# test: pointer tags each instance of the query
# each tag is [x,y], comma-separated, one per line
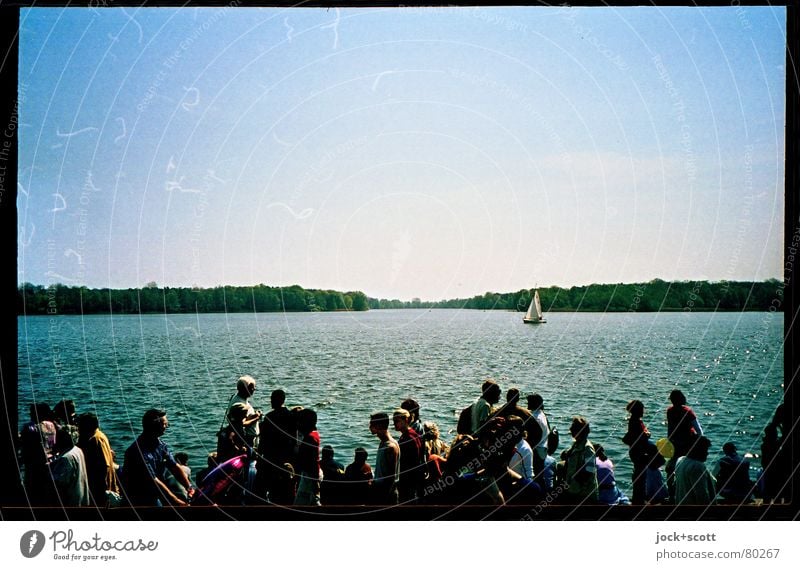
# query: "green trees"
[61,299]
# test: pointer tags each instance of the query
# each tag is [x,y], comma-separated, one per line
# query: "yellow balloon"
[665,448]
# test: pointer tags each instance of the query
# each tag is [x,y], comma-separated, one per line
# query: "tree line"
[62,299]
[655,295]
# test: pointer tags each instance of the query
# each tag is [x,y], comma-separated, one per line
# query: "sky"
[432,153]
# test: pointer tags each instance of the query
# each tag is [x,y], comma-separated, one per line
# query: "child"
[358,476]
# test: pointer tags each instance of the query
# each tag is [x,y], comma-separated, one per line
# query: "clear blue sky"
[432,153]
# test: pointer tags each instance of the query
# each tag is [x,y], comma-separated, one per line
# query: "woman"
[638,438]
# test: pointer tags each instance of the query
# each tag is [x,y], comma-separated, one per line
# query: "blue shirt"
[146,459]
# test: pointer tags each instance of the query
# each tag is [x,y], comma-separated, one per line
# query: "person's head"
[306,420]
[41,413]
[237,413]
[636,409]
[535,402]
[515,427]
[154,422]
[490,391]
[327,453]
[63,442]
[699,451]
[412,407]
[87,425]
[600,452]
[246,386]
[379,423]
[729,448]
[512,396]
[360,455]
[677,398]
[277,398]
[182,458]
[64,412]
[401,418]
[579,429]
[430,431]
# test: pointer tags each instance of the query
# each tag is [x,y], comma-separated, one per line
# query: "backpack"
[464,425]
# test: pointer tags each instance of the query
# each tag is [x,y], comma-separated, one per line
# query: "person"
[694,484]
[518,484]
[732,473]
[146,462]
[411,457]
[432,439]
[308,461]
[37,440]
[637,438]
[232,441]
[683,428]
[538,432]
[182,459]
[99,460]
[276,447]
[412,407]
[608,492]
[776,460]
[245,388]
[546,478]
[512,407]
[483,408]
[358,476]
[66,419]
[387,461]
[332,476]
[68,469]
[211,464]
[580,468]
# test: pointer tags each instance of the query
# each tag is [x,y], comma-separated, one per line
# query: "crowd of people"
[502,454]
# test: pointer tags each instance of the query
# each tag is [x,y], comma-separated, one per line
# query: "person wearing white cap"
[245,388]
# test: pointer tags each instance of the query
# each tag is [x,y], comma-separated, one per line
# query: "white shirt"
[522,460]
[541,419]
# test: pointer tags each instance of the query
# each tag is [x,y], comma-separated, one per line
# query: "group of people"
[502,454]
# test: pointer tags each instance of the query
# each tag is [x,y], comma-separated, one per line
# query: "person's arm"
[696,425]
[168,494]
[180,477]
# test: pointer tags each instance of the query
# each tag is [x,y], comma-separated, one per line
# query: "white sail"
[534,314]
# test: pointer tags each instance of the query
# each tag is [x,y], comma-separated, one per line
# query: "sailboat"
[534,314]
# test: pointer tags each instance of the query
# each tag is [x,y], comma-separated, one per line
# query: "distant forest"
[60,299]
[657,295]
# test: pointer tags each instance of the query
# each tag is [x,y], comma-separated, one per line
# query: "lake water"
[348,365]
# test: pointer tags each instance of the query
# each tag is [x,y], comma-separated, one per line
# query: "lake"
[349,365]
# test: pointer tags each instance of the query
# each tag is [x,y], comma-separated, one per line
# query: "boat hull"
[533,321]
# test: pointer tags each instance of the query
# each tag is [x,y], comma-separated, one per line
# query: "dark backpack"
[464,425]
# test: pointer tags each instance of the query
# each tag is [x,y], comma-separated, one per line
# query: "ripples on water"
[348,365]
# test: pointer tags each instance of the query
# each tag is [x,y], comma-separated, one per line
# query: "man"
[245,388]
[146,462]
[411,457]
[580,469]
[733,476]
[387,461]
[484,406]
[277,440]
[99,459]
[538,429]
[694,484]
